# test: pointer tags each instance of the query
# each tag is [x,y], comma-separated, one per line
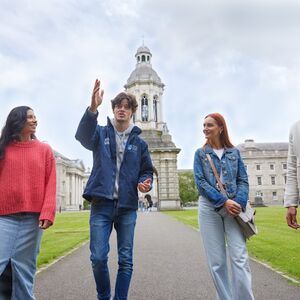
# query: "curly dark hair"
[130,98]
[15,122]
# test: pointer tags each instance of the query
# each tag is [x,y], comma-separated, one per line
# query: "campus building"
[266,165]
[70,183]
[148,88]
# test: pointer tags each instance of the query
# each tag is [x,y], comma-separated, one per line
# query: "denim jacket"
[235,178]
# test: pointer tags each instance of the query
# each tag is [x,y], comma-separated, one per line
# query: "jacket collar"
[135,129]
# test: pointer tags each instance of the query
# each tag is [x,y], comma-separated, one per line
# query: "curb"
[45,267]
[294,280]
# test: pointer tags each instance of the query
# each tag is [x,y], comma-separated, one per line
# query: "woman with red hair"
[220,232]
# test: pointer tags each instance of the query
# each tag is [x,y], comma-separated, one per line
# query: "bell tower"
[148,89]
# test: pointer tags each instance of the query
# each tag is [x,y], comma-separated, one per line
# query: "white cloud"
[239,58]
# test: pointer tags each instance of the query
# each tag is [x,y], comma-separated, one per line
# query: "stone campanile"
[148,88]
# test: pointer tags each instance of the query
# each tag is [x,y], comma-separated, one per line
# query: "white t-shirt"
[219,153]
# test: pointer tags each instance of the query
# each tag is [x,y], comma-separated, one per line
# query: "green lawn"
[70,230]
[276,244]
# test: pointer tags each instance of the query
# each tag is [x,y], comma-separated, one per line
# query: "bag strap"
[220,184]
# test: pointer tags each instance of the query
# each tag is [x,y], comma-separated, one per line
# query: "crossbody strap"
[220,184]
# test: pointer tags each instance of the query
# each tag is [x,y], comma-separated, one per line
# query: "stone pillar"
[73,190]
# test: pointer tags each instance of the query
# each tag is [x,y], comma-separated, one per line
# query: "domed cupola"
[143,71]
[143,55]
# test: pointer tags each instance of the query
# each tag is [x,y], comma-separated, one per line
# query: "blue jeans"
[222,236]
[6,283]
[105,215]
[20,239]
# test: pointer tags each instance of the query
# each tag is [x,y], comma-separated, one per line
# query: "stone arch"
[144,108]
[155,108]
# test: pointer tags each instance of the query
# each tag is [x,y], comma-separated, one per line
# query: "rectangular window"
[284,179]
[274,195]
[271,167]
[258,167]
[259,181]
[246,167]
[284,166]
[273,180]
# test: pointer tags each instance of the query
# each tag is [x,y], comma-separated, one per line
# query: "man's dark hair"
[129,97]
[148,197]
[15,122]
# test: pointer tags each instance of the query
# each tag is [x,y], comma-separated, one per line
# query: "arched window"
[138,59]
[155,108]
[144,108]
[143,58]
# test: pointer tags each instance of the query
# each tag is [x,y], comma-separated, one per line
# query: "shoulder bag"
[245,219]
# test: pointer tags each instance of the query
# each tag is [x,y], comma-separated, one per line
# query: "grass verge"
[70,230]
[276,244]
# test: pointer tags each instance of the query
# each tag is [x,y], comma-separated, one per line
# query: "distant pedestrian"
[141,205]
[145,204]
[292,189]
[149,202]
[216,211]
[122,164]
[27,200]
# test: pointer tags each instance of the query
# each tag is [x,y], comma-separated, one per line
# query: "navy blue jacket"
[136,165]
[234,175]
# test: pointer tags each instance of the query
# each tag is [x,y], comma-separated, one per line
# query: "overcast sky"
[239,58]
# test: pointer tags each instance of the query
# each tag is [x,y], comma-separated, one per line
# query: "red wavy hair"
[225,140]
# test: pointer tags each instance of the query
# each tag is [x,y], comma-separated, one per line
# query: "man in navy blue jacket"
[122,164]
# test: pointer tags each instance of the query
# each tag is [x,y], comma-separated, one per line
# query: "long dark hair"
[15,122]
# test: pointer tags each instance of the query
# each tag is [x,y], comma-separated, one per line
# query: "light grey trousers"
[221,238]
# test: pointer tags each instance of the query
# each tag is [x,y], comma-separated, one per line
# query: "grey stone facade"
[266,165]
[70,183]
[148,88]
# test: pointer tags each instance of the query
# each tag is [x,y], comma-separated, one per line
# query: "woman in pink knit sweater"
[27,200]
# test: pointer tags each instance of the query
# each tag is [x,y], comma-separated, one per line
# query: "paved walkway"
[169,264]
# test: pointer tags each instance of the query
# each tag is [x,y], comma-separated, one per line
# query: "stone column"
[73,190]
[159,109]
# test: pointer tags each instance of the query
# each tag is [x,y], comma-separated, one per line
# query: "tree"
[187,188]
[86,205]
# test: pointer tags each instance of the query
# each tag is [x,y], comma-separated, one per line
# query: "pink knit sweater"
[28,179]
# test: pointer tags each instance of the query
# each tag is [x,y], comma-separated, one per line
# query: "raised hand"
[145,186]
[97,96]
